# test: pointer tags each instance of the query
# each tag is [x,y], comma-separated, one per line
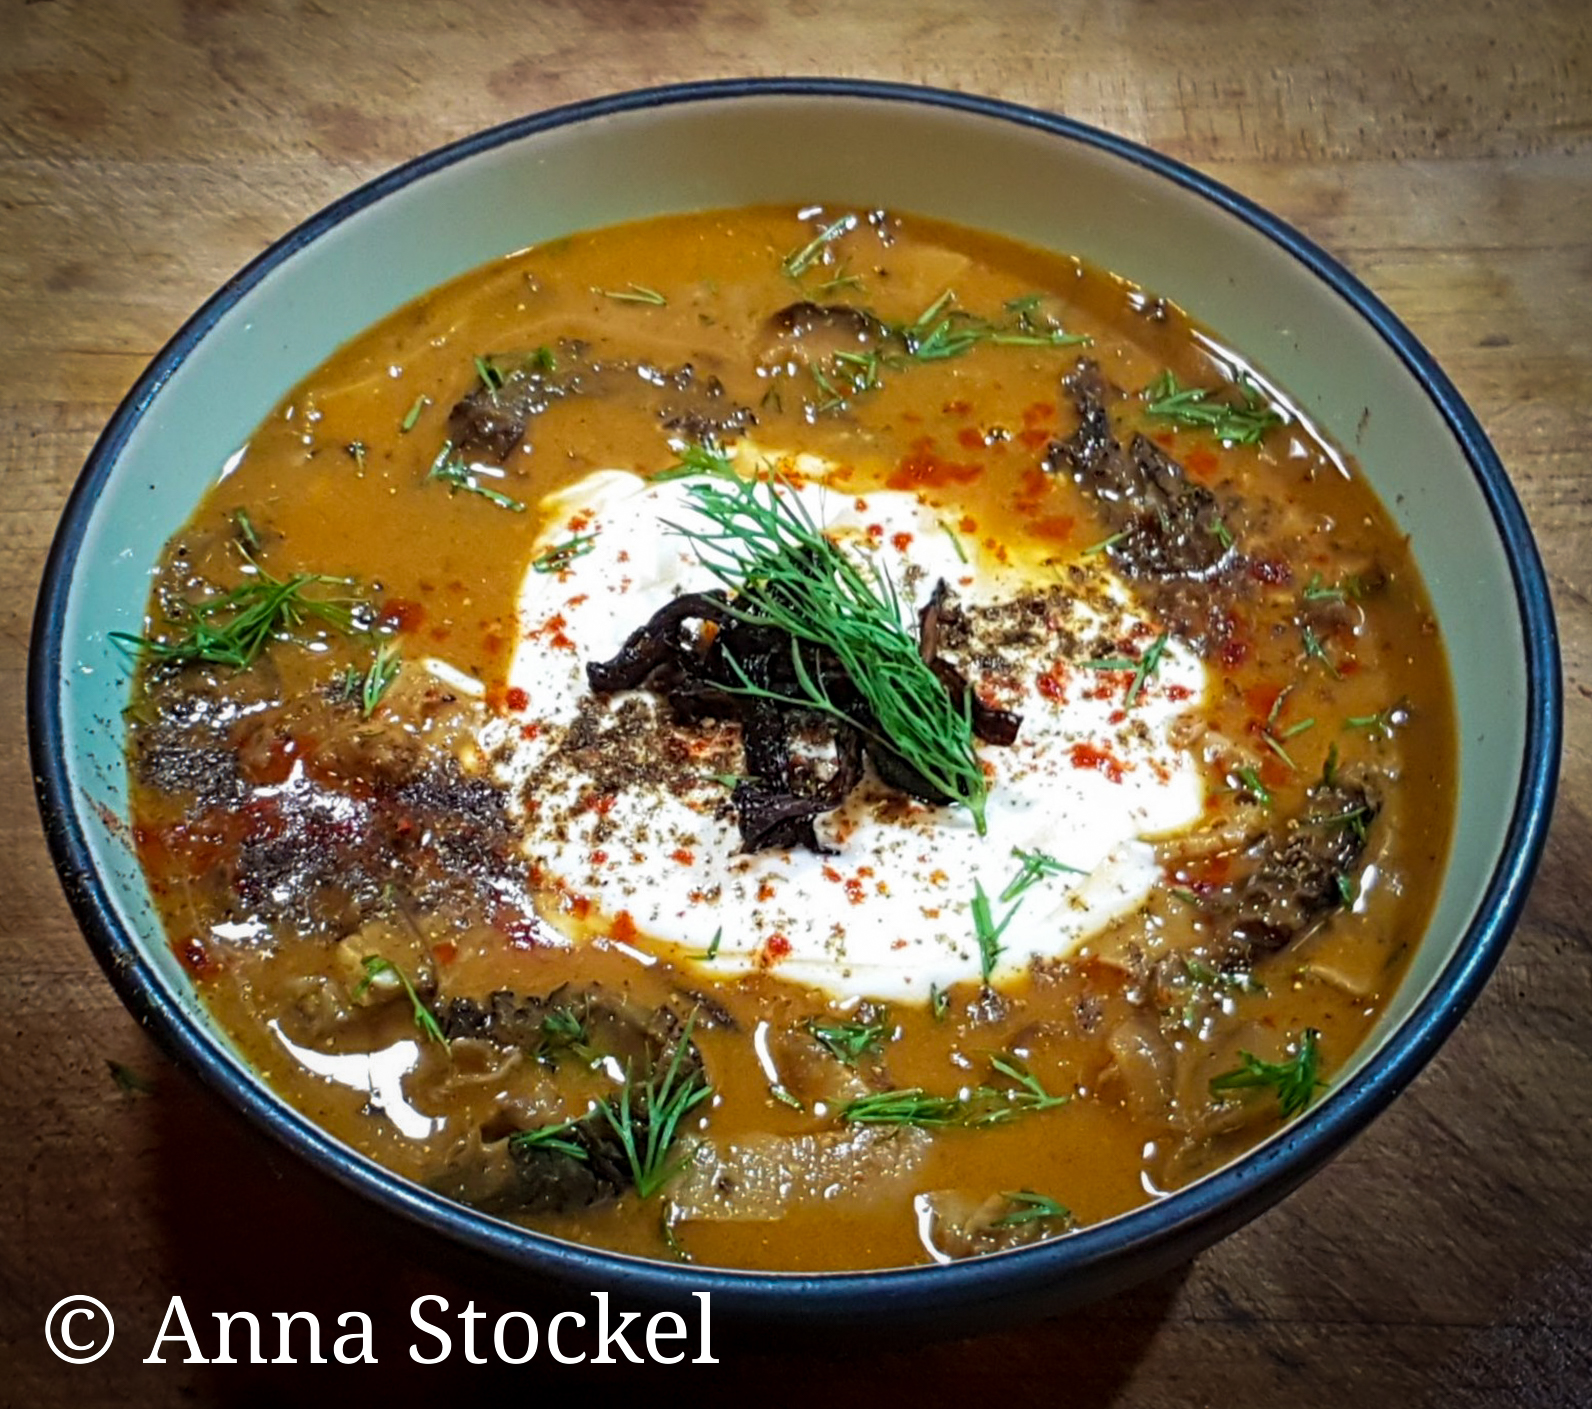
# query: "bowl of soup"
[857,698]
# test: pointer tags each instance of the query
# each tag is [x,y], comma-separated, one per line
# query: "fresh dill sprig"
[248,536]
[561,555]
[382,672]
[910,1105]
[451,470]
[1029,1207]
[764,545]
[943,331]
[425,1020]
[798,261]
[1294,1080]
[1143,668]
[491,378]
[987,932]
[1036,866]
[1030,1094]
[254,613]
[980,1108]
[1168,400]
[550,1137]
[848,1042]
[663,1104]
[635,293]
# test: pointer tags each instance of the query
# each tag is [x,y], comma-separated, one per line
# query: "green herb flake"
[559,557]
[1294,1080]
[1167,400]
[1250,778]
[987,932]
[425,1020]
[1035,867]
[413,414]
[382,672]
[798,261]
[450,470]
[551,1137]
[1149,663]
[635,293]
[848,1042]
[1029,1207]
[1314,650]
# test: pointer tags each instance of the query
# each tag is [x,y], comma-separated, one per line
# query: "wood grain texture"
[1444,153]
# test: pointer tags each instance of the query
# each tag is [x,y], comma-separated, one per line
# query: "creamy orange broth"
[1131,1029]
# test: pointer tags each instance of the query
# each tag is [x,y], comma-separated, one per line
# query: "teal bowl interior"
[1303,322]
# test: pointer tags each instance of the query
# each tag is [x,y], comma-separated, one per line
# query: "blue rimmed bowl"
[1287,305]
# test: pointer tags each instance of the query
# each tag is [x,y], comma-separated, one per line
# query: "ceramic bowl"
[1264,288]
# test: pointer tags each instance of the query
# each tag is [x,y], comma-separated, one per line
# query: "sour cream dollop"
[627,815]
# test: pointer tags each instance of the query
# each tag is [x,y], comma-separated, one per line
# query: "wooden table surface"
[1444,152]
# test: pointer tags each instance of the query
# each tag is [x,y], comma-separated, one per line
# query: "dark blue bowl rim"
[1093,1260]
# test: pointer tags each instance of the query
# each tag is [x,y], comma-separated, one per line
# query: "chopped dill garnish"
[491,378]
[671,1239]
[1314,650]
[246,531]
[382,672]
[413,414]
[845,279]
[848,1042]
[664,1105]
[697,460]
[943,331]
[979,1108]
[425,1020]
[1036,866]
[911,1105]
[1149,663]
[255,612]
[1298,728]
[561,555]
[956,541]
[1349,587]
[939,1002]
[1029,1207]
[785,572]
[1030,1094]
[1282,753]
[543,360]
[129,1080]
[798,261]
[782,1094]
[1102,545]
[1294,1080]
[453,472]
[1250,778]
[1224,535]
[987,932]
[713,944]
[1168,400]
[1384,721]
[550,1137]
[635,293]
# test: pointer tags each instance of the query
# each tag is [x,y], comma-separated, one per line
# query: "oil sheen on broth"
[792,739]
